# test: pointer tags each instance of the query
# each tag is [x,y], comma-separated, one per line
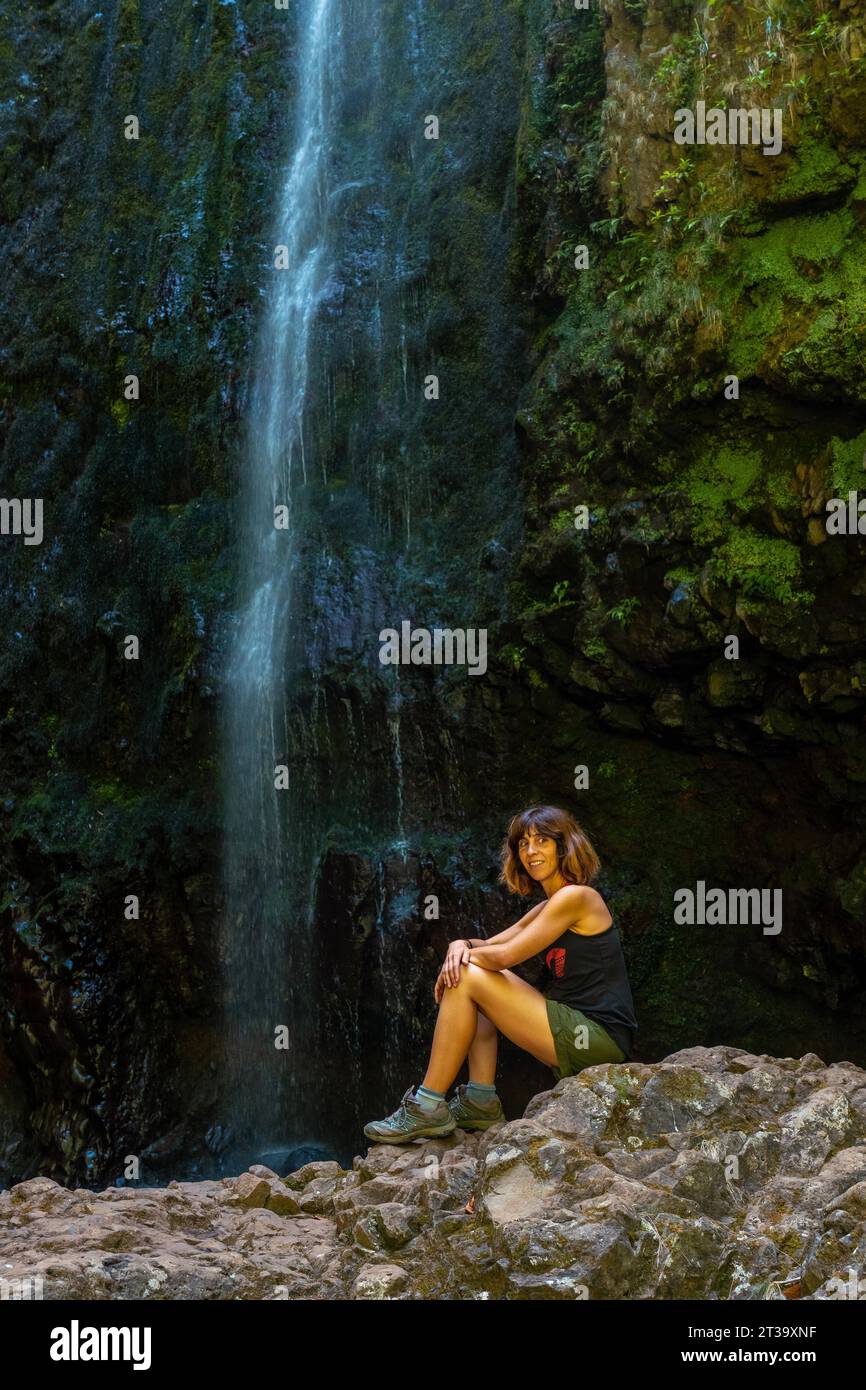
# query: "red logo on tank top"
[556,961]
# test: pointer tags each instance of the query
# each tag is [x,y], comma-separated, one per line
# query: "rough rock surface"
[714,1174]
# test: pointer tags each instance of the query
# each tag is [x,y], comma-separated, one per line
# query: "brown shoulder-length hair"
[578,861]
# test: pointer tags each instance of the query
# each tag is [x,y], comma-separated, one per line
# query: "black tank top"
[588,973]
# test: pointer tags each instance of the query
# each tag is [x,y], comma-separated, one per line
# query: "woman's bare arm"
[566,906]
[510,932]
[488,948]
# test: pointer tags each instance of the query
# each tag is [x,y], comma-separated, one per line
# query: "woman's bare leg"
[511,1005]
[482,1052]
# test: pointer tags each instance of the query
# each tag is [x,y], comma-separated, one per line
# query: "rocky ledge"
[713,1174]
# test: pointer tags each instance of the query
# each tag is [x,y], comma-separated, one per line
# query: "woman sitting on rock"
[584,1016]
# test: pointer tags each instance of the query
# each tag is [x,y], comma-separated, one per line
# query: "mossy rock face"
[706,495]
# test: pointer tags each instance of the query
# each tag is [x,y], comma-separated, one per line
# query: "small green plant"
[678,175]
[607,226]
[667,70]
[798,91]
[623,612]
[824,33]
[516,655]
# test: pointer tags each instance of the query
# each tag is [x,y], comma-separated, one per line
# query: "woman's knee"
[472,979]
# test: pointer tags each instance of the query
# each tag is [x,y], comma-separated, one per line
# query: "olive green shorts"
[598,1046]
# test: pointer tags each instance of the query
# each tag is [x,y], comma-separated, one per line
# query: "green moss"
[681,574]
[762,566]
[121,411]
[813,241]
[719,479]
[113,793]
[684,1085]
[846,469]
[858,193]
[790,1243]
[562,522]
[797,296]
[817,169]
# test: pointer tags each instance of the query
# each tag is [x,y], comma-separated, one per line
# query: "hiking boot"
[411,1121]
[469,1114]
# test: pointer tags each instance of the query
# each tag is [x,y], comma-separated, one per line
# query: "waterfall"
[265,854]
[396,250]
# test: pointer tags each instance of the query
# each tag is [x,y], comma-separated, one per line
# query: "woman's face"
[538,855]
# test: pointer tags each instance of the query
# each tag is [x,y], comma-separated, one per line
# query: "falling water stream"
[264,862]
[337,436]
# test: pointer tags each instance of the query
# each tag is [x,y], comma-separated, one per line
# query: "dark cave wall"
[121,257]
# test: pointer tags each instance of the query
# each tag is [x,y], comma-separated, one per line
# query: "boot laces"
[401,1119]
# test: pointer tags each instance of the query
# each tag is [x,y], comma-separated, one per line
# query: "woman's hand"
[449,975]
[457,955]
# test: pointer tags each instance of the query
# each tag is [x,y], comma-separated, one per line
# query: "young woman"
[585,1015]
